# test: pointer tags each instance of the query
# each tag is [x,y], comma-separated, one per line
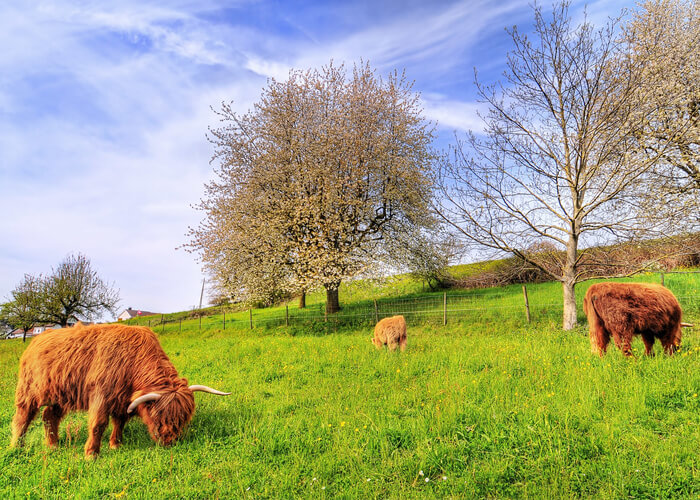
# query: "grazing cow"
[392,332]
[108,370]
[622,310]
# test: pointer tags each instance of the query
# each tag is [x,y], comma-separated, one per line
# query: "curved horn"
[151,396]
[204,388]
[687,325]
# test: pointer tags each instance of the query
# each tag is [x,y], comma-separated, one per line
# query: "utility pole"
[201,294]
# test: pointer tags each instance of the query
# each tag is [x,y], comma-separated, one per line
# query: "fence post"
[149,323]
[200,320]
[250,313]
[224,320]
[162,324]
[444,308]
[662,279]
[376,312]
[286,315]
[527,304]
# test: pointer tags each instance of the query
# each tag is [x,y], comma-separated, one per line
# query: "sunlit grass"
[489,407]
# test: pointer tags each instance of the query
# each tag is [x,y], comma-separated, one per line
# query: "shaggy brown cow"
[392,332]
[622,310]
[108,370]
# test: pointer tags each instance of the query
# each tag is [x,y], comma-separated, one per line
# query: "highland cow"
[108,370]
[623,310]
[390,332]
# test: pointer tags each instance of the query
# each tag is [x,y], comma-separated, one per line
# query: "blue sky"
[104,107]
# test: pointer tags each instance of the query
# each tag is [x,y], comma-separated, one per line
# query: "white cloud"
[452,115]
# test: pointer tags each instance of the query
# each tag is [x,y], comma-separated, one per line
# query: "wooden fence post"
[444,308]
[376,311]
[224,320]
[662,279]
[250,312]
[286,315]
[527,304]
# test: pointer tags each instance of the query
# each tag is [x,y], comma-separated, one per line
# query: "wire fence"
[514,303]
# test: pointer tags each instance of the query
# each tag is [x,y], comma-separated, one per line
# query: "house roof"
[137,312]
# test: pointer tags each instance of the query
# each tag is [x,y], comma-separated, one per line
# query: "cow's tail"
[596,331]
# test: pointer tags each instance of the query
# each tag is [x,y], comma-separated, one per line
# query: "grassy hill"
[486,406]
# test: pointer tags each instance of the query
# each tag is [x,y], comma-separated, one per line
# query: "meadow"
[494,408]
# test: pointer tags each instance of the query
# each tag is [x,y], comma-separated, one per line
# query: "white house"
[133,313]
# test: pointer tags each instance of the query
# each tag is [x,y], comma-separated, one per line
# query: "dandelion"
[342,424]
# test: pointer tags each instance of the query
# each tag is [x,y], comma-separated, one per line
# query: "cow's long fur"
[390,331]
[622,310]
[101,369]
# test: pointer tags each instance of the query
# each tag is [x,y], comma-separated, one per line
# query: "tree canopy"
[73,290]
[313,181]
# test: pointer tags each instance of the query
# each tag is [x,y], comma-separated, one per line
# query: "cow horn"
[204,388]
[687,325]
[151,396]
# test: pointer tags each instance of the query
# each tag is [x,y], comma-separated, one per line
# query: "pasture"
[494,408]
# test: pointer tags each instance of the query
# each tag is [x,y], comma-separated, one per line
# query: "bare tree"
[74,290]
[23,309]
[312,180]
[553,163]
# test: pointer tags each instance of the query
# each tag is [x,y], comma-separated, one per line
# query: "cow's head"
[167,413]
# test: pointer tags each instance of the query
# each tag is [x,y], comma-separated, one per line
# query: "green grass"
[500,408]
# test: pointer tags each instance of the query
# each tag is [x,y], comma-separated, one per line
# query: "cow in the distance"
[623,310]
[390,332]
[108,370]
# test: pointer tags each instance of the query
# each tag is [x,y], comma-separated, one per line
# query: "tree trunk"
[302,300]
[332,303]
[24,336]
[569,281]
[569,304]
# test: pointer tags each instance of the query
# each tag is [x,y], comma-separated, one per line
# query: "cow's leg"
[115,440]
[392,344]
[648,340]
[669,346]
[20,423]
[97,422]
[402,343]
[52,418]
[672,341]
[627,344]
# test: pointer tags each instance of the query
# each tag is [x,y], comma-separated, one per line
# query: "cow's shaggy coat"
[623,310]
[390,332]
[102,369]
